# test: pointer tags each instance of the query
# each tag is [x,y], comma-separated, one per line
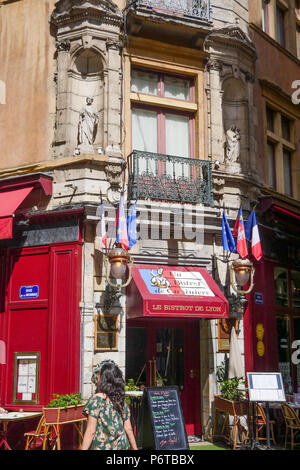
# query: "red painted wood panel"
[48,324]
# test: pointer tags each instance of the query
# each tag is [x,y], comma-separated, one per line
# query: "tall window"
[287,300]
[162,129]
[271,165]
[279,151]
[287,172]
[264,16]
[298,40]
[280,29]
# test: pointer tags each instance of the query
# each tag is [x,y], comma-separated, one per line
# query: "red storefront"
[272,319]
[40,293]
[164,305]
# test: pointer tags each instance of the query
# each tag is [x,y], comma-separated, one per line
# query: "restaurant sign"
[175,291]
[169,282]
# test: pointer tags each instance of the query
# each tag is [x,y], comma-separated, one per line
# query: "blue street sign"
[258,298]
[29,292]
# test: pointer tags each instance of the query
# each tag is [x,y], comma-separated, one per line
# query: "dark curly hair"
[113,385]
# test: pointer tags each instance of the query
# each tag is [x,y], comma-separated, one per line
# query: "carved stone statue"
[88,121]
[233,144]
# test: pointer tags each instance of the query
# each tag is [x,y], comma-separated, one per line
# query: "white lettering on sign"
[192,283]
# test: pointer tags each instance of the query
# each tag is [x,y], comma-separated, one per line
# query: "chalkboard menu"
[160,422]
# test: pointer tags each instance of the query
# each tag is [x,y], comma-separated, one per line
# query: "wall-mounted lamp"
[116,263]
[241,271]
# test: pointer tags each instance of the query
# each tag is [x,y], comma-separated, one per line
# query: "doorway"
[160,352]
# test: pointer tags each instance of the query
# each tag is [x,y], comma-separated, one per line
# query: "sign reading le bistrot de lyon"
[175,291]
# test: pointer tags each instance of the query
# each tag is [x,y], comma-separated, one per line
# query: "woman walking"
[108,424]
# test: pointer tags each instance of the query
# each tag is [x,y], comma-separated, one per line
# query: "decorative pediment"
[66,9]
[232,33]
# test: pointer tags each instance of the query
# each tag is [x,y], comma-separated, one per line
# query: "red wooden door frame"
[190,396]
[71,252]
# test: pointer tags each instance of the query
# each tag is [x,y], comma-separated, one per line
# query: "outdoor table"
[12,417]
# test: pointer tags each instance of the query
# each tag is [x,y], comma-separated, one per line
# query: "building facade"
[274,29]
[164,103]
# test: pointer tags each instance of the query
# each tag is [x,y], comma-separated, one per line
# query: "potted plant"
[231,398]
[64,409]
[230,403]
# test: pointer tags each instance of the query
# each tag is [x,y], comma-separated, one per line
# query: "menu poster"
[26,377]
[265,387]
[161,424]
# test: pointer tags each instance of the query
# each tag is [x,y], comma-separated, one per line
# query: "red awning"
[13,192]
[174,291]
[9,202]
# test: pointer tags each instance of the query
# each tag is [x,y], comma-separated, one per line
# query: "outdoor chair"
[292,424]
[261,425]
[35,438]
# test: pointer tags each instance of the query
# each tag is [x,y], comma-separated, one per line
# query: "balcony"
[195,9]
[169,178]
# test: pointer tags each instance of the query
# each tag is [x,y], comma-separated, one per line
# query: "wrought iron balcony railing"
[168,178]
[197,9]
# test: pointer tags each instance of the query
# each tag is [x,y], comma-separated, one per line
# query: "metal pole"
[268,424]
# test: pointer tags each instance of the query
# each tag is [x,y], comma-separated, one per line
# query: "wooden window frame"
[280,143]
[161,128]
[161,84]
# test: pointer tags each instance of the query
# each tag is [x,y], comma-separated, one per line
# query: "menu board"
[161,423]
[26,371]
[265,386]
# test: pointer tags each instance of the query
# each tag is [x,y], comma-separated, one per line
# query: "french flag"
[121,223]
[239,232]
[252,234]
[103,226]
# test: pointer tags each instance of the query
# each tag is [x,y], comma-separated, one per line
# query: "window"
[287,172]
[280,31]
[287,301]
[298,40]
[159,84]
[285,128]
[280,147]
[264,15]
[270,119]
[106,332]
[271,165]
[162,130]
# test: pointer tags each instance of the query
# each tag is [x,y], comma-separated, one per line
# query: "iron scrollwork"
[198,9]
[170,178]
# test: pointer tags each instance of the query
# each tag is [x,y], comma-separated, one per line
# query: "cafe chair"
[261,425]
[292,424]
[35,439]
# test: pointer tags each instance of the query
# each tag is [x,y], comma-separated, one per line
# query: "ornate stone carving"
[68,8]
[112,44]
[63,45]
[114,178]
[233,145]
[231,34]
[87,127]
[214,64]
[218,187]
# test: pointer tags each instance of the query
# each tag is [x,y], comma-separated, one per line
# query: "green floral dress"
[110,434]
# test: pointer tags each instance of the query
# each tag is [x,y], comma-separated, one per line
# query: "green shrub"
[131,386]
[230,389]
[62,401]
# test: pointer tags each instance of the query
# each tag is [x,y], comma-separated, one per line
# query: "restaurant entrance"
[167,352]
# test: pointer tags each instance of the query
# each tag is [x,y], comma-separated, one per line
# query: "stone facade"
[87,42]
